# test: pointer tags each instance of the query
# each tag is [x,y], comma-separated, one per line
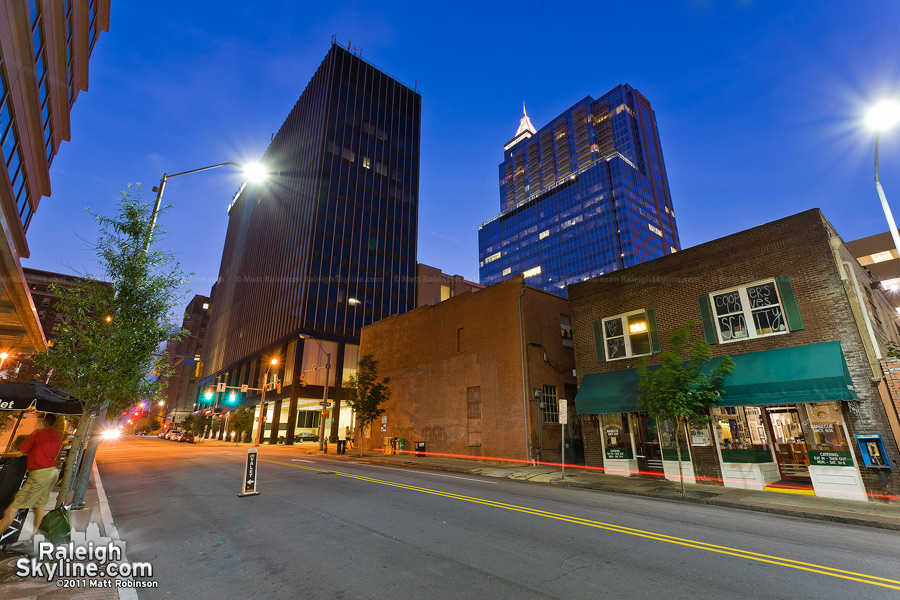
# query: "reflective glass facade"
[585,195]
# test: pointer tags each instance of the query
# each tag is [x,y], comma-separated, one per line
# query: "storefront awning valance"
[811,373]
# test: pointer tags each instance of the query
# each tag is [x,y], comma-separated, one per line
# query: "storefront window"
[823,429]
[742,434]
[667,440]
[616,436]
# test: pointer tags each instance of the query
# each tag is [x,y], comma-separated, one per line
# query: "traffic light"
[198,369]
[208,394]
[278,387]
[303,381]
[232,398]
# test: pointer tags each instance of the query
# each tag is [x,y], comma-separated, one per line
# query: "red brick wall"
[797,246]
[431,365]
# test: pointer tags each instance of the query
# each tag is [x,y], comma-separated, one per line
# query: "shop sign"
[618,453]
[830,458]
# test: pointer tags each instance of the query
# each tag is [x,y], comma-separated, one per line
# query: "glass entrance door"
[649,456]
[790,442]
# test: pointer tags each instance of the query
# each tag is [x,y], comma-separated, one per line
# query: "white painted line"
[109,527]
[435,474]
[302,460]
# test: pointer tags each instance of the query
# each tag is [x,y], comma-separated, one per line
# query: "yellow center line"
[775,560]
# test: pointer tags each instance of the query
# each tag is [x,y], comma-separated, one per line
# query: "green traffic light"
[232,398]
[208,395]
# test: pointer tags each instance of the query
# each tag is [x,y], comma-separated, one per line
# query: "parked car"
[173,435]
[307,437]
[162,434]
[186,437]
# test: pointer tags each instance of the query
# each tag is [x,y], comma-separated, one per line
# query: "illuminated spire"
[525,123]
[525,131]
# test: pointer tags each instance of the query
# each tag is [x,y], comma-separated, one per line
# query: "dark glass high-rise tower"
[584,195]
[324,247]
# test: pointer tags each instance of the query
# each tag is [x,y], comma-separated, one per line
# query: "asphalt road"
[335,528]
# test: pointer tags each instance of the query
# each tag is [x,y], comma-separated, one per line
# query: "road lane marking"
[303,460]
[774,560]
[435,474]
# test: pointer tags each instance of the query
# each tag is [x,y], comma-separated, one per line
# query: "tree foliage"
[241,422]
[682,387]
[370,393]
[107,344]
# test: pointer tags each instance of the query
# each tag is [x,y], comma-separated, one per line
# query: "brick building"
[433,285]
[807,403]
[457,376]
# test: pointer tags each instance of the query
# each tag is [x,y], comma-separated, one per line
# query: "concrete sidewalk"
[95,517]
[885,515]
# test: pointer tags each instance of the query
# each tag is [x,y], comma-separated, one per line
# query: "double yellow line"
[765,558]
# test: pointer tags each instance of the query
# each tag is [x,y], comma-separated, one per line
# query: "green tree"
[241,422]
[189,424]
[370,394]
[107,345]
[682,388]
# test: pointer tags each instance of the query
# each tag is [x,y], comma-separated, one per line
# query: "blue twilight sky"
[759,107]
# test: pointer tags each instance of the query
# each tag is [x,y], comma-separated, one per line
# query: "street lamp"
[3,357]
[303,336]
[262,403]
[882,117]
[255,172]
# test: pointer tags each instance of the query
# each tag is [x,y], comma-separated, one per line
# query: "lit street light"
[262,403]
[303,336]
[882,117]
[254,172]
[3,357]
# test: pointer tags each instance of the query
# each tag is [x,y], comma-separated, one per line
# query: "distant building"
[457,378]
[181,388]
[585,195]
[323,248]
[39,285]
[434,286]
[44,50]
[810,404]
[879,256]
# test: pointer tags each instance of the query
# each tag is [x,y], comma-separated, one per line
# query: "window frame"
[747,311]
[625,335]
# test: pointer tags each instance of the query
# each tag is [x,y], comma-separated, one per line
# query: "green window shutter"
[655,348]
[598,341]
[706,319]
[789,302]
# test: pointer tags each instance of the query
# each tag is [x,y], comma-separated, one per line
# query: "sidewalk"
[96,514]
[882,515]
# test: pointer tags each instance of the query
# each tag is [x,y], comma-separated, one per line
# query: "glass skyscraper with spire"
[584,195]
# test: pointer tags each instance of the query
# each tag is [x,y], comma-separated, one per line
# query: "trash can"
[574,451]
[420,448]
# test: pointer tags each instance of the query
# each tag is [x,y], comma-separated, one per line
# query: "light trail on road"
[736,552]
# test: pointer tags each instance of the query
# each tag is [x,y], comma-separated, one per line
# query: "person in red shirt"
[41,449]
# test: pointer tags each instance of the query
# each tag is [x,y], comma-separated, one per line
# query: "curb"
[109,527]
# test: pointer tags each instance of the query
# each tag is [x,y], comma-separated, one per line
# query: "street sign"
[325,404]
[563,411]
[384,419]
[220,387]
[250,475]
[244,388]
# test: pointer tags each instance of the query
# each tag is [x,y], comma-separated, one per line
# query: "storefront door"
[790,443]
[649,454]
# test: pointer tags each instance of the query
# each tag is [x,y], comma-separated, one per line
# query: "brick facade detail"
[823,273]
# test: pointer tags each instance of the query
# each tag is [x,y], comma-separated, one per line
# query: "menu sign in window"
[830,458]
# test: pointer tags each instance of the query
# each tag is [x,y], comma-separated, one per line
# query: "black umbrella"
[22,395]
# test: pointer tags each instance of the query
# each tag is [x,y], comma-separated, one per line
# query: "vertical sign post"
[383,429]
[249,485]
[563,419]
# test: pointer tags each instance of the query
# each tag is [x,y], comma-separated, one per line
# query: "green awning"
[812,373]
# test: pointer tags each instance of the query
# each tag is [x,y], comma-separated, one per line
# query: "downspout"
[857,307]
[524,378]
